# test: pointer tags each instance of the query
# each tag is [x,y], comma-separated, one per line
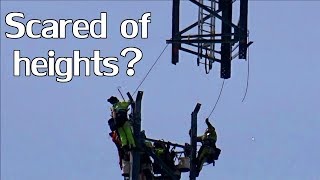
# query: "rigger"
[208,151]
[120,122]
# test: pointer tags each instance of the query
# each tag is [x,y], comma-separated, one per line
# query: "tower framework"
[140,138]
[209,39]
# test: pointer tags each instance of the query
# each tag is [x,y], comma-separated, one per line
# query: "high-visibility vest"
[121,106]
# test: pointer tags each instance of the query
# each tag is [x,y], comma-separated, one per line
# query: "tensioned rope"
[248,73]
[215,105]
[247,86]
[151,68]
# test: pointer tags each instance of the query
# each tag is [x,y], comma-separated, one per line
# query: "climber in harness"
[120,122]
[208,152]
[146,170]
[162,150]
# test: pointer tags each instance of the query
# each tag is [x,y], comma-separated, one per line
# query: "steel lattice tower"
[210,38]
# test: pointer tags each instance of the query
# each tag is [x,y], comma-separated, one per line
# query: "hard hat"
[113,100]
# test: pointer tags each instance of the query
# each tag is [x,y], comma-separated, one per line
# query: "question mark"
[132,62]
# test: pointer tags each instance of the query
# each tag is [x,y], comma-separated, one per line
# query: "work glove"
[207,120]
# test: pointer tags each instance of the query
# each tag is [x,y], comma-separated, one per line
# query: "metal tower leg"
[193,140]
[226,6]
[135,153]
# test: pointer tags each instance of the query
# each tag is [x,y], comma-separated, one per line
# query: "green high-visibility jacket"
[120,106]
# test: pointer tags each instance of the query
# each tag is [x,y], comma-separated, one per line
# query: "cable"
[217,99]
[151,68]
[247,86]
[248,74]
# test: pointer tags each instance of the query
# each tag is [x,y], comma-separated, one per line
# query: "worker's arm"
[209,124]
[168,147]
[199,138]
[113,113]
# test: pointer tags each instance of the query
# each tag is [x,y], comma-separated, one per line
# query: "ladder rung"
[208,6]
[206,31]
[208,24]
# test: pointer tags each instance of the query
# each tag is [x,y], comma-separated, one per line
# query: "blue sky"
[51,130]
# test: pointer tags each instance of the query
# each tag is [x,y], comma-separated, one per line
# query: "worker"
[162,150]
[208,152]
[119,115]
[146,163]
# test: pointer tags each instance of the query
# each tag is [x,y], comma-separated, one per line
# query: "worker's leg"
[202,161]
[202,158]
[123,137]
[112,124]
[129,134]
[199,153]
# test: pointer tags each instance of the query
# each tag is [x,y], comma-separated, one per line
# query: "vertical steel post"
[243,32]
[226,6]
[135,154]
[175,31]
[193,142]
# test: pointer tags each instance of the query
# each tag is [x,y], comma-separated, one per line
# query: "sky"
[52,130]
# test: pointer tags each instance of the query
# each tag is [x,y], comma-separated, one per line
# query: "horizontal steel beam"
[201,41]
[207,35]
[169,143]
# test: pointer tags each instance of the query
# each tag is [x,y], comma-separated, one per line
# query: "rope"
[217,99]
[248,74]
[151,68]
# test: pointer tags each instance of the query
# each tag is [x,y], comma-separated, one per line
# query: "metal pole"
[225,71]
[243,29]
[135,154]
[193,142]
[175,31]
